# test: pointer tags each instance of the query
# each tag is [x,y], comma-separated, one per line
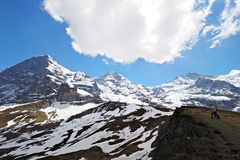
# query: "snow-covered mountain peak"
[79,75]
[54,66]
[182,81]
[234,73]
[113,76]
[192,75]
[115,87]
[41,77]
[44,56]
[37,64]
[185,81]
[195,76]
[232,77]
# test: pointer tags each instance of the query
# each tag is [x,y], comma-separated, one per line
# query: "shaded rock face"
[27,67]
[67,94]
[195,76]
[39,78]
[214,86]
[27,81]
[158,91]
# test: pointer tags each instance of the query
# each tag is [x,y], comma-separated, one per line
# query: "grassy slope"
[192,134]
[24,114]
[228,125]
[189,134]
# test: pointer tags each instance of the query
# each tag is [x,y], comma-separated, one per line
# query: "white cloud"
[229,23]
[125,30]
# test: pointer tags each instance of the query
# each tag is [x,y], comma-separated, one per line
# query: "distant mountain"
[40,78]
[30,80]
[117,88]
[232,77]
[43,78]
[203,90]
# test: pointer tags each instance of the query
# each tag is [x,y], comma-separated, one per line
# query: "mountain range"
[49,112]
[42,77]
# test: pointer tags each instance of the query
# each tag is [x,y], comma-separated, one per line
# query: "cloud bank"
[125,30]
[229,23]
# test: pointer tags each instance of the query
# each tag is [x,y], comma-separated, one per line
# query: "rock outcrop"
[65,93]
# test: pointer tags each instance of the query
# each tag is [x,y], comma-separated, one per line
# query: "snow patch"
[66,110]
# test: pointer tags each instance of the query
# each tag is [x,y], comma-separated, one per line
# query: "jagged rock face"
[26,81]
[158,91]
[232,77]
[218,93]
[25,68]
[117,88]
[201,90]
[215,87]
[40,78]
[196,76]
[65,93]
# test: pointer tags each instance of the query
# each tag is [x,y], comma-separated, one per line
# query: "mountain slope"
[192,134]
[24,81]
[115,87]
[114,130]
[42,77]
[203,90]
[232,77]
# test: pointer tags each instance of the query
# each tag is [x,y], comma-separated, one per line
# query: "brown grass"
[24,114]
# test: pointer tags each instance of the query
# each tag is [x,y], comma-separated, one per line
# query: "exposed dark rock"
[65,93]
[27,81]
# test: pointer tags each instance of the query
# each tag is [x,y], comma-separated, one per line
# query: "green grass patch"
[228,125]
[24,114]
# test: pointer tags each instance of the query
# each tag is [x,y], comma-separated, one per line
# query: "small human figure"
[214,113]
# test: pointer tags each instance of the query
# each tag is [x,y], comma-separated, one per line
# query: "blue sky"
[28,30]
